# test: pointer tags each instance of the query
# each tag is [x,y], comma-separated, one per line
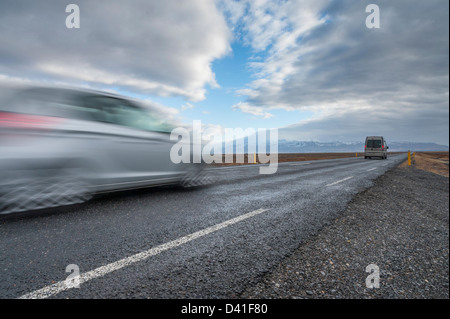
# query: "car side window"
[48,102]
[122,112]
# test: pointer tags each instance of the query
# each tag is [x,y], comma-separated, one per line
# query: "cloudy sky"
[309,67]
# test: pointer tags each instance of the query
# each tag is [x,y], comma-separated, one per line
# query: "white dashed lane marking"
[340,181]
[103,270]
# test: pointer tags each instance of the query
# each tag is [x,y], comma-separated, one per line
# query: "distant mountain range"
[285,146]
[337,147]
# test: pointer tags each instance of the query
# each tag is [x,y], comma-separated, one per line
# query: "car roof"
[71,91]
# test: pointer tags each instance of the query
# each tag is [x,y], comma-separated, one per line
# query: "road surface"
[173,243]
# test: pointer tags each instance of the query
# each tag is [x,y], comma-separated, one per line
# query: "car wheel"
[44,192]
[195,178]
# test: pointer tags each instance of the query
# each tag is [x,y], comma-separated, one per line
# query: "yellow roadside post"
[254,158]
[356,154]
[409,158]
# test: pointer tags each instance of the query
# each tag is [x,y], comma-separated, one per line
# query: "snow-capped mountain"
[337,147]
[285,146]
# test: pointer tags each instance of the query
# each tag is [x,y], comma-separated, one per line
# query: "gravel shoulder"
[401,225]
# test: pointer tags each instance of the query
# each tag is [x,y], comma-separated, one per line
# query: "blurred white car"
[61,146]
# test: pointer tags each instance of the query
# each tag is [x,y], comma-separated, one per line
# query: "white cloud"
[318,56]
[187,106]
[274,28]
[157,47]
[254,110]
[88,74]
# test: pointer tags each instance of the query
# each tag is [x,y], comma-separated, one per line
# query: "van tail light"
[26,121]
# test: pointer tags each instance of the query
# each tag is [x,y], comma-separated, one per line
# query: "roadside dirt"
[435,162]
[399,226]
[293,157]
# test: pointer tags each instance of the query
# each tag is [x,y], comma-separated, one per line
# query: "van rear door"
[374,144]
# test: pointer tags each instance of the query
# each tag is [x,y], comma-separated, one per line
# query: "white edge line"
[340,181]
[371,169]
[103,270]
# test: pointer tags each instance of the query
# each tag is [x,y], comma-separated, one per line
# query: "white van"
[375,146]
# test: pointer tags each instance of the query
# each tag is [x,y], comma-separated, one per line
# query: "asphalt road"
[173,243]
